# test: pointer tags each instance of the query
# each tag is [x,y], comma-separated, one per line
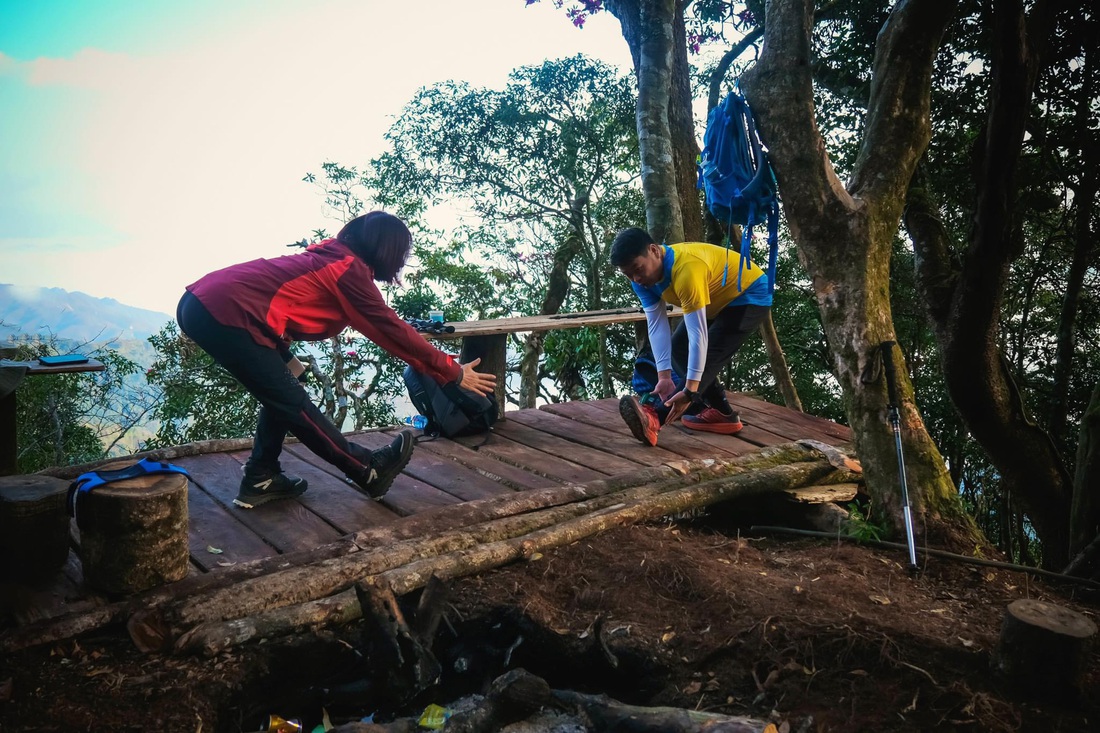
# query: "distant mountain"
[73,316]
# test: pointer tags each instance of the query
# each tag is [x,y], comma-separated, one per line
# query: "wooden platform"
[571,442]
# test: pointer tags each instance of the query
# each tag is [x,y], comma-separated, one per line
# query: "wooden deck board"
[830,431]
[286,525]
[211,525]
[486,465]
[579,453]
[532,459]
[615,443]
[531,449]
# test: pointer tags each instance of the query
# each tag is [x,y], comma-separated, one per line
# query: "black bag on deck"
[451,410]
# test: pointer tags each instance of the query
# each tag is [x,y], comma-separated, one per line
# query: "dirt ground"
[813,635]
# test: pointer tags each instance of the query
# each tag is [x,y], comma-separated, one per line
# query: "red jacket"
[312,296]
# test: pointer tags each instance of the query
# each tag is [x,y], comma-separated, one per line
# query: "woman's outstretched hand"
[479,382]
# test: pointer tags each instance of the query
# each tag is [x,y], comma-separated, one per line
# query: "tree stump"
[34,527]
[133,533]
[1043,649]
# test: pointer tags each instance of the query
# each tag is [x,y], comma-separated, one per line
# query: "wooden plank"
[525,324]
[788,429]
[407,495]
[286,525]
[579,453]
[453,478]
[489,466]
[212,525]
[828,427]
[34,366]
[616,443]
[532,459]
[330,497]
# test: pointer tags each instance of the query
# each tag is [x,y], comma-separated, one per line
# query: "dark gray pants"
[726,332]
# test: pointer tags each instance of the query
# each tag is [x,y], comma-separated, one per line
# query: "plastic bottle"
[417,421]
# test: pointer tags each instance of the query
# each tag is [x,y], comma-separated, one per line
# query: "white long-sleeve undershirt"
[660,339]
[660,336]
[696,323]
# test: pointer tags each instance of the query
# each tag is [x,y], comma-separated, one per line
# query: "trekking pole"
[887,349]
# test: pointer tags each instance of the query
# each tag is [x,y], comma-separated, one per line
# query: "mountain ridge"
[74,316]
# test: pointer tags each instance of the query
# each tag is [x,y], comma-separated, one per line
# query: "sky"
[144,143]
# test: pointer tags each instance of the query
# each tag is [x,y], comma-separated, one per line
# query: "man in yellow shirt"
[723,299]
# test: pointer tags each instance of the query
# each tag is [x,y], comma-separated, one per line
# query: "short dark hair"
[381,240]
[628,245]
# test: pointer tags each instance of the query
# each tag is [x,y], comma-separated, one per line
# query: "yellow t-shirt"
[693,273]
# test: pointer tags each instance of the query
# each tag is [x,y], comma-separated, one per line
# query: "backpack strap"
[85,482]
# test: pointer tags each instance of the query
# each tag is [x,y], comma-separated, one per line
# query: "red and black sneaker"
[711,420]
[642,420]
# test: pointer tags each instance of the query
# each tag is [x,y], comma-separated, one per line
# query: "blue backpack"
[738,180]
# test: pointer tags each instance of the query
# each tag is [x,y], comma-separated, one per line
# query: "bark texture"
[965,300]
[557,289]
[133,533]
[844,233]
[649,29]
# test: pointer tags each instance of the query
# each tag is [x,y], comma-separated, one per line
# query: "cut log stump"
[1043,649]
[133,533]
[34,527]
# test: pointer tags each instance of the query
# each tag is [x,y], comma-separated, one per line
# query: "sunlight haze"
[144,144]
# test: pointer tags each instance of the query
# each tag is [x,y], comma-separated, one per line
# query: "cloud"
[89,68]
[190,157]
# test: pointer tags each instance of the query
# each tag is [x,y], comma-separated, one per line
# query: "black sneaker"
[257,489]
[384,464]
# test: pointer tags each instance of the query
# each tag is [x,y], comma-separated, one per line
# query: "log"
[149,630]
[1043,649]
[34,527]
[133,533]
[309,582]
[512,697]
[142,608]
[213,637]
[605,713]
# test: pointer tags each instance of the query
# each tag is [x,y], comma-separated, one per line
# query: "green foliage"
[74,418]
[860,526]
[200,399]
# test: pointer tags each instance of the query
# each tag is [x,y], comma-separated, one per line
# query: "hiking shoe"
[384,464]
[257,489]
[711,420]
[641,419]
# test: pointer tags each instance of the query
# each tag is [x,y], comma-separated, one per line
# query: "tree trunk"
[681,122]
[1043,649]
[1085,514]
[557,288]
[1084,254]
[844,238]
[964,302]
[648,27]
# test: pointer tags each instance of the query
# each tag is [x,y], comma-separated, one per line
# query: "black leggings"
[725,334]
[284,404]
